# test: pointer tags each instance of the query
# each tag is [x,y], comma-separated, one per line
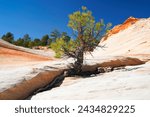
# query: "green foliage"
[19,42]
[26,40]
[55,35]
[61,42]
[44,40]
[9,37]
[49,41]
[86,29]
[59,46]
[31,44]
[65,37]
[82,18]
[37,42]
[88,32]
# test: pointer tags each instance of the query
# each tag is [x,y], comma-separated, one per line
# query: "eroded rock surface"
[27,87]
[129,83]
[127,46]
[130,21]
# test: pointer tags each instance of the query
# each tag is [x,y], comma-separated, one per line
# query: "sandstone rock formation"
[133,41]
[12,51]
[130,21]
[126,44]
[27,87]
[16,66]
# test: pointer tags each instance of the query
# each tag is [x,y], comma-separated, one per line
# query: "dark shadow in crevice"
[86,74]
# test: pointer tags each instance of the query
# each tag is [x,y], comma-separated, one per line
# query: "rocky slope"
[11,54]
[129,83]
[18,73]
[127,51]
[132,41]
[126,43]
[6,45]
[130,21]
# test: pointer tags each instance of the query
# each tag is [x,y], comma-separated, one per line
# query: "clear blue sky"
[39,17]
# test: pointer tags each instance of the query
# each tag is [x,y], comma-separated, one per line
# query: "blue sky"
[39,17]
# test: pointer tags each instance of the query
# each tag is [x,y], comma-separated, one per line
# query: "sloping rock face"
[133,41]
[16,66]
[129,83]
[27,87]
[10,49]
[15,55]
[8,55]
[126,45]
[112,62]
[130,21]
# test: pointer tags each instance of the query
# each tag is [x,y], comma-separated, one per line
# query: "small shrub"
[59,46]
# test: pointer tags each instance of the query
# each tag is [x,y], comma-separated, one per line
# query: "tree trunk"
[79,60]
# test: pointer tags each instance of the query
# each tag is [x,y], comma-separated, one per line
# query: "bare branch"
[69,53]
[102,46]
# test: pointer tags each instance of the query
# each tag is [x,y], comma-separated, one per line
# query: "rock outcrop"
[127,46]
[28,87]
[112,63]
[132,41]
[130,21]
[10,49]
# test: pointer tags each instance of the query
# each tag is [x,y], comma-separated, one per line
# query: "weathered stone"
[28,87]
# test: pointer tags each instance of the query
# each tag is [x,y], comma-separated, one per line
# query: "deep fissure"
[71,73]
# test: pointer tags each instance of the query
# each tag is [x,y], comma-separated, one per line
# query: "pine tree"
[9,37]
[88,32]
